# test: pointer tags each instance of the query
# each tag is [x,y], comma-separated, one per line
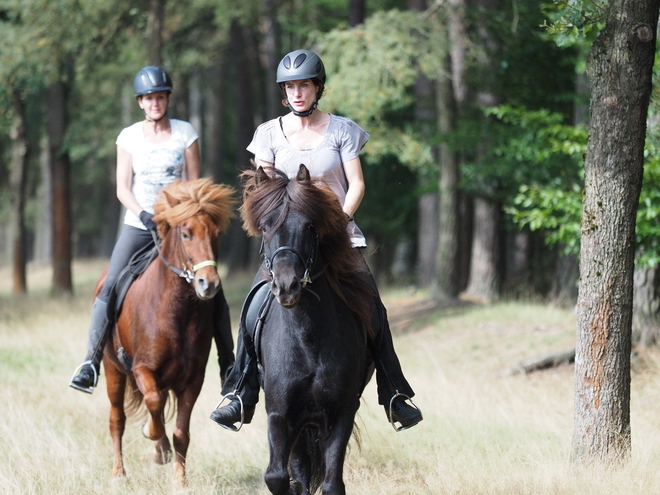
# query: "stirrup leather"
[229,398]
[389,410]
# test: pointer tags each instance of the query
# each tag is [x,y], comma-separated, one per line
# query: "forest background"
[481,182]
[476,111]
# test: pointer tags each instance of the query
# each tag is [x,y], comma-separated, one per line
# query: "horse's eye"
[185,236]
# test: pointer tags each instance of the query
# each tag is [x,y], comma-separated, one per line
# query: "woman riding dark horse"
[314,325]
[329,146]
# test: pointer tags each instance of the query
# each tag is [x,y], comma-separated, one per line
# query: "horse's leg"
[181,434]
[154,399]
[300,464]
[335,452]
[116,386]
[277,475]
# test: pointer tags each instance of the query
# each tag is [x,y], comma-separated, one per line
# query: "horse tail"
[133,400]
[134,403]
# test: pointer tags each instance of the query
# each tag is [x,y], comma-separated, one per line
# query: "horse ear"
[261,176]
[303,173]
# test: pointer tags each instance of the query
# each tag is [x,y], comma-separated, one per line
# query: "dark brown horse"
[313,339]
[165,325]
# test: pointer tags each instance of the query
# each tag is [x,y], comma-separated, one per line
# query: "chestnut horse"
[312,343]
[164,331]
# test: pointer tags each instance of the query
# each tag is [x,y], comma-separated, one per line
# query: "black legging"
[131,240]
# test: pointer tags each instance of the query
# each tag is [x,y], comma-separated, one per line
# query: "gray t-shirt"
[343,141]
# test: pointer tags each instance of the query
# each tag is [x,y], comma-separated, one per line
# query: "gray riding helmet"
[300,64]
[151,79]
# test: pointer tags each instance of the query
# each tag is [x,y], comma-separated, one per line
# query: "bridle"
[307,277]
[188,269]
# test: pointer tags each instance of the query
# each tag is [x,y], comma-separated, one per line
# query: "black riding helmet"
[151,79]
[302,64]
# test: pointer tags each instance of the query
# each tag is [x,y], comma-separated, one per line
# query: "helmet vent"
[299,60]
[287,62]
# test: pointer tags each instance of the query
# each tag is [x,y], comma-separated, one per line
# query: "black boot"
[393,388]
[230,414]
[403,413]
[87,374]
[224,342]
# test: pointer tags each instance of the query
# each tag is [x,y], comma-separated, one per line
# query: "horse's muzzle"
[206,287]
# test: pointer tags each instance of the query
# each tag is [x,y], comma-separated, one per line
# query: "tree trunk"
[57,122]
[357,11]
[427,238]
[43,236]
[619,67]
[238,255]
[270,57]
[155,32]
[485,278]
[17,186]
[446,266]
[646,307]
[484,282]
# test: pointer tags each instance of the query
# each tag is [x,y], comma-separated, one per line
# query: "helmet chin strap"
[306,113]
[152,120]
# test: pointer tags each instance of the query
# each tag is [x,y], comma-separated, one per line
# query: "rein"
[186,273]
[309,264]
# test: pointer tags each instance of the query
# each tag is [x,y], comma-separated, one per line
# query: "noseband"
[186,273]
[309,264]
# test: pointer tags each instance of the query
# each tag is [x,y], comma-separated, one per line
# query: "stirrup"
[389,410]
[77,370]
[229,397]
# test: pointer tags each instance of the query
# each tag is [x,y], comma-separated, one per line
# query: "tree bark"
[484,285]
[239,252]
[446,264]
[270,57]
[57,123]
[155,32]
[619,68]
[356,12]
[17,186]
[646,307]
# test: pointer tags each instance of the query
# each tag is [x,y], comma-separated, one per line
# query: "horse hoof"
[119,479]
[162,456]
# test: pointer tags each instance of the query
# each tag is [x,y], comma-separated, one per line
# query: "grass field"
[484,432]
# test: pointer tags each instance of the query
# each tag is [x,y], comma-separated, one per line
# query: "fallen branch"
[543,362]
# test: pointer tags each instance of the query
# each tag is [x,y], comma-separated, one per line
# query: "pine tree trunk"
[155,32]
[17,186]
[484,282]
[619,67]
[59,162]
[446,265]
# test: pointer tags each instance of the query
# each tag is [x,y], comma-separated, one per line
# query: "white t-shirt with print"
[342,142]
[155,165]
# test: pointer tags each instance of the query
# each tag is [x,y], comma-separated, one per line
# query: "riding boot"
[88,372]
[393,388]
[243,382]
[224,342]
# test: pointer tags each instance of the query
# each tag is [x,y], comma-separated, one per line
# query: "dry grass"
[483,433]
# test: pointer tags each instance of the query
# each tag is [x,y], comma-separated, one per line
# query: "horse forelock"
[321,205]
[181,200]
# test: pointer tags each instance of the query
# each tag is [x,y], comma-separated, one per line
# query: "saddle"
[136,266]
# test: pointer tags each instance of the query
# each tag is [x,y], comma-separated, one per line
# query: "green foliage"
[575,22]
[371,71]
[548,156]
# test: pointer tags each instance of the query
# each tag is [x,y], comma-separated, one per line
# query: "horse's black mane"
[263,193]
